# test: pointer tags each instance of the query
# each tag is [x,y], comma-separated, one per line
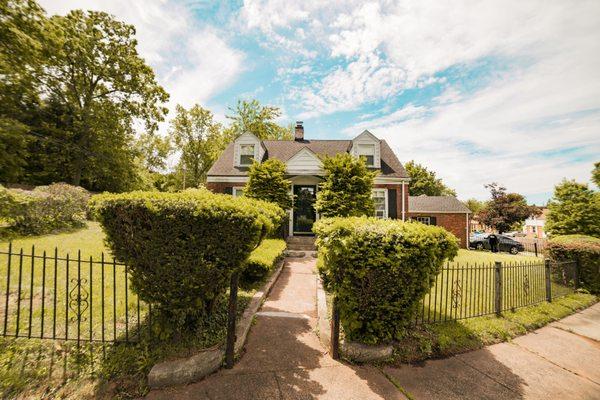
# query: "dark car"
[505,243]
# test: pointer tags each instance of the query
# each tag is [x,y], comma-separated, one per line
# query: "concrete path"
[285,360]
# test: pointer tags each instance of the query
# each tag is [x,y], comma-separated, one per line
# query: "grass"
[32,368]
[482,256]
[453,337]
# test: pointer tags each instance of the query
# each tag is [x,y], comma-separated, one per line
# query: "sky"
[478,91]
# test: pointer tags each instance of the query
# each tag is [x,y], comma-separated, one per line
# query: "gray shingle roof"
[285,149]
[436,204]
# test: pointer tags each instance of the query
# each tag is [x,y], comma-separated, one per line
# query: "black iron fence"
[471,290]
[533,246]
[47,296]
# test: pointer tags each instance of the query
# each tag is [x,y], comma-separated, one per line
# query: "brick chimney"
[299,134]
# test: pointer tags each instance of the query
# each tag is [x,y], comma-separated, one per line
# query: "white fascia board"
[226,179]
[383,179]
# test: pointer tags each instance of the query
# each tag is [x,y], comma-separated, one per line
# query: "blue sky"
[505,91]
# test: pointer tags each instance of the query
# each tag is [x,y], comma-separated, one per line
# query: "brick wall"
[398,189]
[219,187]
[454,223]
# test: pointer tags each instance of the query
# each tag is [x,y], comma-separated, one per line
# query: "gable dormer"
[304,162]
[368,146]
[247,149]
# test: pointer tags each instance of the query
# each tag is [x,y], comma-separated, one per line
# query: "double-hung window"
[424,220]
[367,152]
[380,200]
[246,154]
[238,191]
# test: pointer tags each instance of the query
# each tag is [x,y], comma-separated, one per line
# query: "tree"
[424,181]
[596,174]
[474,205]
[199,139]
[505,210]
[266,181]
[251,116]
[347,188]
[94,70]
[574,209]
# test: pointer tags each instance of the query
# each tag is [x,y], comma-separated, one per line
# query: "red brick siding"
[398,189]
[454,223]
[219,187]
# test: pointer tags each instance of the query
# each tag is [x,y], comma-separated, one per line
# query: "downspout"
[403,201]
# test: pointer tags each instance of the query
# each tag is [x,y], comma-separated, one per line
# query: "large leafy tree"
[474,205]
[424,181]
[347,189]
[505,210]
[21,38]
[574,209]
[596,174]
[199,139]
[251,116]
[267,181]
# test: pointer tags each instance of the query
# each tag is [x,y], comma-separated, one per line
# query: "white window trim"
[370,153]
[235,189]
[423,218]
[385,195]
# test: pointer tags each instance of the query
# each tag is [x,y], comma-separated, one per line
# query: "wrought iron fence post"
[548,281]
[535,248]
[335,329]
[231,320]
[577,271]
[498,287]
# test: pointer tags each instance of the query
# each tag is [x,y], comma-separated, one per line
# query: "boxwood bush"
[379,270]
[182,248]
[262,260]
[584,249]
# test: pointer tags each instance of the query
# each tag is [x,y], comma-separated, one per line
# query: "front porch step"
[301,239]
[301,243]
[301,247]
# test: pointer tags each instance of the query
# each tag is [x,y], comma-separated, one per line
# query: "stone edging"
[207,361]
[354,351]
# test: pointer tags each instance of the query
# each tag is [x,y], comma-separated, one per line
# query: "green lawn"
[483,256]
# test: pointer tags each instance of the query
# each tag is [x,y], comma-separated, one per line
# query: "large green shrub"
[262,260]
[584,249]
[182,248]
[379,270]
[47,209]
[347,189]
[267,181]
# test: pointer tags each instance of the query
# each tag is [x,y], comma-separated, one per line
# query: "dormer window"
[367,152]
[246,154]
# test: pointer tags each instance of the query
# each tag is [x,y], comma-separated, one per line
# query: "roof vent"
[299,133]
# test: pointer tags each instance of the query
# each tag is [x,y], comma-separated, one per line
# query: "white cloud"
[193,62]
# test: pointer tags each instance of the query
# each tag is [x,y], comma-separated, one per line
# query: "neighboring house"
[303,157]
[534,226]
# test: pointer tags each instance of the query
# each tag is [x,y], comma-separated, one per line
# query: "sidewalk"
[285,360]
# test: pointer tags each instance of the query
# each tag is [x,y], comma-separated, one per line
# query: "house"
[534,226]
[303,157]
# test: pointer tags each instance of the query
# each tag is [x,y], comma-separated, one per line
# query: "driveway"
[284,359]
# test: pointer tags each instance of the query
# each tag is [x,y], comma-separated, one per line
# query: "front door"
[304,209]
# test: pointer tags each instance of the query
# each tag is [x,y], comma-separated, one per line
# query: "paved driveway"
[285,360]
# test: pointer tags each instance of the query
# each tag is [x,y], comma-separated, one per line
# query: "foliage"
[347,188]
[251,116]
[262,261]
[75,88]
[574,209]
[424,181]
[47,208]
[505,210]
[596,174]
[183,247]
[199,139]
[379,270]
[474,205]
[584,249]
[266,181]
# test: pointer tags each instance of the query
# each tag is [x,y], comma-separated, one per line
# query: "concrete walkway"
[285,360]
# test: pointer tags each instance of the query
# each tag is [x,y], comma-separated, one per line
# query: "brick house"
[302,157]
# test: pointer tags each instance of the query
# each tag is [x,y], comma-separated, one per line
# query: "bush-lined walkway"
[285,360]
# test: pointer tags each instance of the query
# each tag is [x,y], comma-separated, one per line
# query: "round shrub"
[48,209]
[586,251]
[379,270]
[182,248]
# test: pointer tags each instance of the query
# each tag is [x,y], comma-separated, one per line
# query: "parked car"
[481,242]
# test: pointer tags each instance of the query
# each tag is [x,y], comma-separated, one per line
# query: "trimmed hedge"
[262,261]
[379,270]
[182,248]
[45,209]
[584,249]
